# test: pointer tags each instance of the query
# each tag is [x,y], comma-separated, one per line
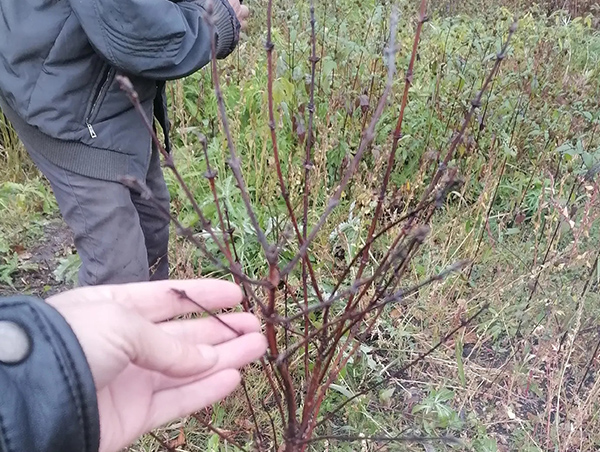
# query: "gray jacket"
[59,58]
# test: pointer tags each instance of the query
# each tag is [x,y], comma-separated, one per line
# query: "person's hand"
[149,371]
[241,11]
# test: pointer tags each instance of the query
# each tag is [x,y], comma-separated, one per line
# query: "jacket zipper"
[98,95]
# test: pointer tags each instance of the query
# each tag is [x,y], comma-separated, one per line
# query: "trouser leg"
[154,223]
[105,224]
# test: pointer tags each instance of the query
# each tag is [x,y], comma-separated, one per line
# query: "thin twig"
[219,433]
[404,368]
[386,439]
[366,140]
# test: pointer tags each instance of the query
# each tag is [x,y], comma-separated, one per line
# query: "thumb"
[150,347]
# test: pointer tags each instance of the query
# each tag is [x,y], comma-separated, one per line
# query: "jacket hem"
[79,158]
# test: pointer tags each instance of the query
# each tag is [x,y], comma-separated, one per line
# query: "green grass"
[490,387]
[498,384]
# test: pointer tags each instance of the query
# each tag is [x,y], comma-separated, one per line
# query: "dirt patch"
[37,265]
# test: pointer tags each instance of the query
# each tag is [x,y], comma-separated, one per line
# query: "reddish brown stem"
[366,140]
[396,138]
[404,368]
[475,104]
[234,160]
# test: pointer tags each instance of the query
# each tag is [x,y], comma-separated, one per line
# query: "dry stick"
[419,237]
[537,277]
[350,291]
[266,368]
[282,186]
[337,367]
[319,374]
[362,52]
[285,355]
[126,85]
[183,295]
[285,324]
[307,167]
[396,139]
[457,95]
[374,301]
[536,165]
[401,294]
[162,443]
[395,223]
[394,298]
[404,368]
[436,94]
[484,114]
[340,363]
[251,407]
[545,222]
[309,421]
[487,216]
[272,422]
[325,8]
[357,284]
[211,175]
[402,252]
[497,188]
[269,373]
[335,47]
[284,373]
[366,140]
[270,251]
[218,432]
[234,160]
[588,366]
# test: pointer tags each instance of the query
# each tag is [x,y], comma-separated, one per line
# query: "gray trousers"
[119,236]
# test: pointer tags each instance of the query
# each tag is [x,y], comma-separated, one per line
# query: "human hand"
[241,11]
[149,371]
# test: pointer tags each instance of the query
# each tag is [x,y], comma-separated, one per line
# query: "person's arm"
[110,359]
[47,394]
[157,39]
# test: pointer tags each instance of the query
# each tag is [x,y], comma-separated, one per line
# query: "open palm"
[148,370]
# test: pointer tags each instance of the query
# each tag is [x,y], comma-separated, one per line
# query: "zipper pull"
[91,130]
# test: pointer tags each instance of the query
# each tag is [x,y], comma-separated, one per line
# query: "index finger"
[161,300]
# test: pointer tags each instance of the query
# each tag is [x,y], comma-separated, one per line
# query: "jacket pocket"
[101,87]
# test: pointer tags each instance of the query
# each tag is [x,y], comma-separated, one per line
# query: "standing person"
[58,62]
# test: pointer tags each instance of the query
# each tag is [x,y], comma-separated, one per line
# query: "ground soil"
[36,274]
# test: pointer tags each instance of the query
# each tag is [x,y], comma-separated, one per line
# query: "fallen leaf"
[179,441]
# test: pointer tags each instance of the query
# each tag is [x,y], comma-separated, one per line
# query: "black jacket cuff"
[228,28]
[48,397]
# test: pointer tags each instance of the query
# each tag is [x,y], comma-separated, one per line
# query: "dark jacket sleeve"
[157,39]
[47,394]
